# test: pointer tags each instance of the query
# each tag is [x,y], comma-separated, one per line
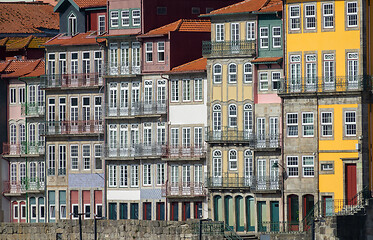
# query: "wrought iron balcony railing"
[257,141]
[33,109]
[184,152]
[115,151]
[136,109]
[254,183]
[121,69]
[325,84]
[74,127]
[24,185]
[72,80]
[228,48]
[25,148]
[184,189]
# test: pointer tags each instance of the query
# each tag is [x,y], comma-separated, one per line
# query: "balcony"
[74,127]
[184,152]
[185,189]
[23,186]
[228,48]
[35,109]
[132,151]
[119,70]
[79,80]
[136,109]
[233,135]
[25,148]
[254,183]
[325,85]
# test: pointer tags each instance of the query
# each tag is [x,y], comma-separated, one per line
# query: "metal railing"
[72,80]
[255,184]
[33,148]
[227,134]
[33,109]
[134,150]
[228,48]
[185,189]
[183,152]
[229,233]
[210,228]
[119,69]
[74,127]
[135,109]
[278,227]
[21,186]
[325,84]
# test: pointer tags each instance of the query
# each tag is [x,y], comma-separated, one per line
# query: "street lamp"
[96,217]
[284,173]
[80,223]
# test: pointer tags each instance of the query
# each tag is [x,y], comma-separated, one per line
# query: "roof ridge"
[188,63]
[229,6]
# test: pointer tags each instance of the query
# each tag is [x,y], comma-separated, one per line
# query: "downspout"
[45,147]
[282,107]
[168,133]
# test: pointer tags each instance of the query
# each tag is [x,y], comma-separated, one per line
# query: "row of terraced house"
[244,112]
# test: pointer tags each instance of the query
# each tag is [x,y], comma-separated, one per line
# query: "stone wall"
[106,229]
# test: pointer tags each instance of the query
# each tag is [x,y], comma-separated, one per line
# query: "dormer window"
[72,24]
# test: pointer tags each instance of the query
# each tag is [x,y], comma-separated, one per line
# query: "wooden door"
[350,183]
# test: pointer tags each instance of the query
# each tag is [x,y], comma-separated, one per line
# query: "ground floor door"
[350,184]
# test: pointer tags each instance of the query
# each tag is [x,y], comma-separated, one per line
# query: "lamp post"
[80,223]
[97,218]
[284,176]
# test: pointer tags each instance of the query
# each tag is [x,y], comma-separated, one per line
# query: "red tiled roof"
[198,65]
[90,3]
[38,71]
[15,68]
[249,6]
[88,38]
[22,17]
[267,60]
[182,25]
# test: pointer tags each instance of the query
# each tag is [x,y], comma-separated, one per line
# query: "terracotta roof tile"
[88,38]
[4,65]
[22,17]
[182,25]
[38,71]
[15,69]
[90,3]
[249,6]
[3,41]
[15,43]
[267,59]
[197,65]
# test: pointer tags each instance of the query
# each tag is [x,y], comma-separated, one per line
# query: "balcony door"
[235,37]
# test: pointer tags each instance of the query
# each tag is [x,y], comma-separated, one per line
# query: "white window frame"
[74,156]
[248,72]
[263,82]
[13,95]
[307,126]
[125,17]
[217,75]
[161,173]
[149,51]
[352,15]
[232,73]
[101,24]
[61,206]
[114,19]
[308,167]
[22,95]
[123,175]
[292,126]
[85,157]
[292,167]
[276,37]
[232,156]
[232,115]
[326,124]
[198,89]
[161,46]
[264,37]
[310,16]
[219,32]
[294,18]
[174,91]
[134,175]
[136,17]
[186,90]
[112,176]
[328,16]
[350,123]
[250,30]
[276,77]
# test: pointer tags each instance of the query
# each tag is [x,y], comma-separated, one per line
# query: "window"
[292,124]
[352,70]
[51,65]
[232,160]
[41,211]
[147,180]
[235,36]
[134,176]
[73,26]
[276,37]
[124,57]
[148,92]
[161,10]
[62,64]
[232,115]
[13,134]
[13,95]
[161,134]
[149,51]
[86,63]
[217,72]
[350,123]
[22,95]
[308,166]
[62,160]
[264,41]
[86,109]
[101,24]
[216,120]
[74,156]
[33,211]
[147,134]
[311,72]
[328,15]
[52,211]
[263,81]
[22,133]
[326,124]
[123,177]
[62,211]
[294,17]
[136,17]
[307,124]
[352,14]
[232,73]
[196,10]
[292,166]
[174,90]
[248,120]
[327,167]
[112,176]
[15,211]
[98,153]
[219,28]
[75,211]
[294,69]
[186,90]
[51,159]
[161,171]
[276,76]
[160,49]
[125,18]
[197,89]
[250,31]
[86,156]
[113,58]
[248,72]
[135,57]
[310,16]
[161,92]
[174,137]
[74,65]
[186,175]
[114,18]
[186,137]
[198,137]
[87,210]
[23,211]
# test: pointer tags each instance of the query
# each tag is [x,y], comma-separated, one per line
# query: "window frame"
[232,73]
[114,18]
[348,15]
[232,158]
[276,38]
[263,82]
[135,17]
[305,166]
[219,32]
[308,17]
[328,15]
[346,124]
[292,168]
[248,72]
[264,39]
[232,116]
[216,74]
[294,21]
[307,124]
[149,51]
[250,31]
[161,57]
[125,18]
[326,124]
[275,80]
[292,124]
